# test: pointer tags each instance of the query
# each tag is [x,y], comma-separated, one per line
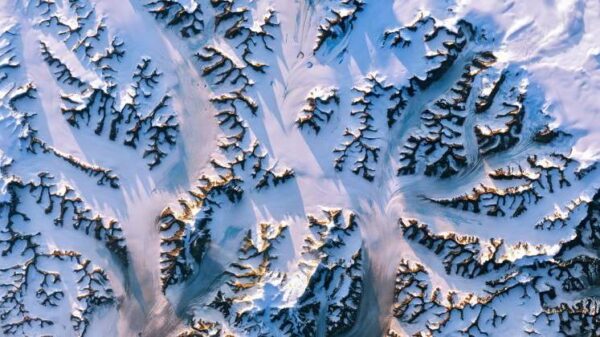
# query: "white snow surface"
[554,44]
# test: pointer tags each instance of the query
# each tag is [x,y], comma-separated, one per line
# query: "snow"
[547,49]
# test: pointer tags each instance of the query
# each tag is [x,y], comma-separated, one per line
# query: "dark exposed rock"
[362,141]
[189,21]
[27,259]
[318,109]
[338,22]
[544,176]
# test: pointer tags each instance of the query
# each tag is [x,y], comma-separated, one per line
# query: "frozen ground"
[299,168]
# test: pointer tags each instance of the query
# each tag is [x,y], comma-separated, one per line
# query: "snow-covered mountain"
[299,168]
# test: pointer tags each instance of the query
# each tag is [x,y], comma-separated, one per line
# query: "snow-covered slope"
[299,168]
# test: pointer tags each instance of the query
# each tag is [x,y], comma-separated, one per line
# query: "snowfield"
[299,168]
